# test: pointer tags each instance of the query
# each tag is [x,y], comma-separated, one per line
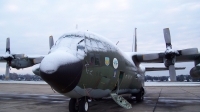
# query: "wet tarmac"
[40,98]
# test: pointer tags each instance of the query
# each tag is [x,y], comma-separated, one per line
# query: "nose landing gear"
[78,105]
[139,96]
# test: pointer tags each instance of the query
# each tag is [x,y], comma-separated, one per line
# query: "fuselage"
[86,64]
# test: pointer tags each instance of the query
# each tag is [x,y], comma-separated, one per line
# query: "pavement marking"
[157,101]
[190,92]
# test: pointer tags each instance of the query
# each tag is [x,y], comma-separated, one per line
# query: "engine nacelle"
[36,69]
[21,63]
[195,72]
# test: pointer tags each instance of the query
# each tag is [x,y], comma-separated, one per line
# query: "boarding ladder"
[121,101]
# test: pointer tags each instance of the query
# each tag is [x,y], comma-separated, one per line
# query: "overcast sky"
[29,23]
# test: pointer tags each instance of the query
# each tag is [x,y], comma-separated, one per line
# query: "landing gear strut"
[73,105]
[139,96]
[78,105]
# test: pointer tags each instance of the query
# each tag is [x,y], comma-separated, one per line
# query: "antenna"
[117,42]
[135,40]
[135,48]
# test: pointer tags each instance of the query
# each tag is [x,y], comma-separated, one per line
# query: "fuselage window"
[92,59]
[97,59]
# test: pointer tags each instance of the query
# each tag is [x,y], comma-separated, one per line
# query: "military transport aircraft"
[83,65]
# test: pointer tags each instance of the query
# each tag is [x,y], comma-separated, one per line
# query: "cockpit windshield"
[78,41]
[69,41]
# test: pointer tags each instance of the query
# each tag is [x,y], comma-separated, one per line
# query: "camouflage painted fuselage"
[102,69]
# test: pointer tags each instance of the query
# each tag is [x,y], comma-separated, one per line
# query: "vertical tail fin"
[135,47]
[51,42]
[135,40]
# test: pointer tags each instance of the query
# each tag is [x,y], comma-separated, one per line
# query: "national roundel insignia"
[107,61]
[115,63]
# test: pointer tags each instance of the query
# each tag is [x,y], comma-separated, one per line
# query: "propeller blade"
[172,73]
[7,71]
[7,54]
[167,37]
[8,45]
[189,51]
[51,42]
[150,56]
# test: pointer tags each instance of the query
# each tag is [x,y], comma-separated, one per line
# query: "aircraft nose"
[62,71]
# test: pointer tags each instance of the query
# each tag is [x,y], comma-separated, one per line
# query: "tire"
[140,96]
[83,105]
[72,105]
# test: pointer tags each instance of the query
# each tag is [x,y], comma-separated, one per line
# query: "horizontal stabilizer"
[162,68]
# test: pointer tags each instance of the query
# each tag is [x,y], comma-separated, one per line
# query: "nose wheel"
[139,96]
[78,105]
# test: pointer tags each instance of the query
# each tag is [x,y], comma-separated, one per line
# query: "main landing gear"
[78,105]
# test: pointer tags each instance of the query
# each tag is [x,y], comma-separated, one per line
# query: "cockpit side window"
[92,59]
[88,42]
[97,59]
[91,44]
[80,45]
[100,45]
[94,44]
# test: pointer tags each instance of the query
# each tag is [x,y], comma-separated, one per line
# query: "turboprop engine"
[195,72]
[21,63]
[18,61]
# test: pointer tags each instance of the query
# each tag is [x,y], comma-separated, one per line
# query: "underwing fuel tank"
[195,72]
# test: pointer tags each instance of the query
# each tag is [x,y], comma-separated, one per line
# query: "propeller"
[7,71]
[8,57]
[172,73]
[170,54]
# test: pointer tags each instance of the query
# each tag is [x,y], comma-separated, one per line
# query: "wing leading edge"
[162,68]
[159,57]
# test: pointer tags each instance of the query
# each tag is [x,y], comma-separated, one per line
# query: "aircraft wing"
[161,68]
[33,58]
[20,60]
[159,57]
[36,58]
